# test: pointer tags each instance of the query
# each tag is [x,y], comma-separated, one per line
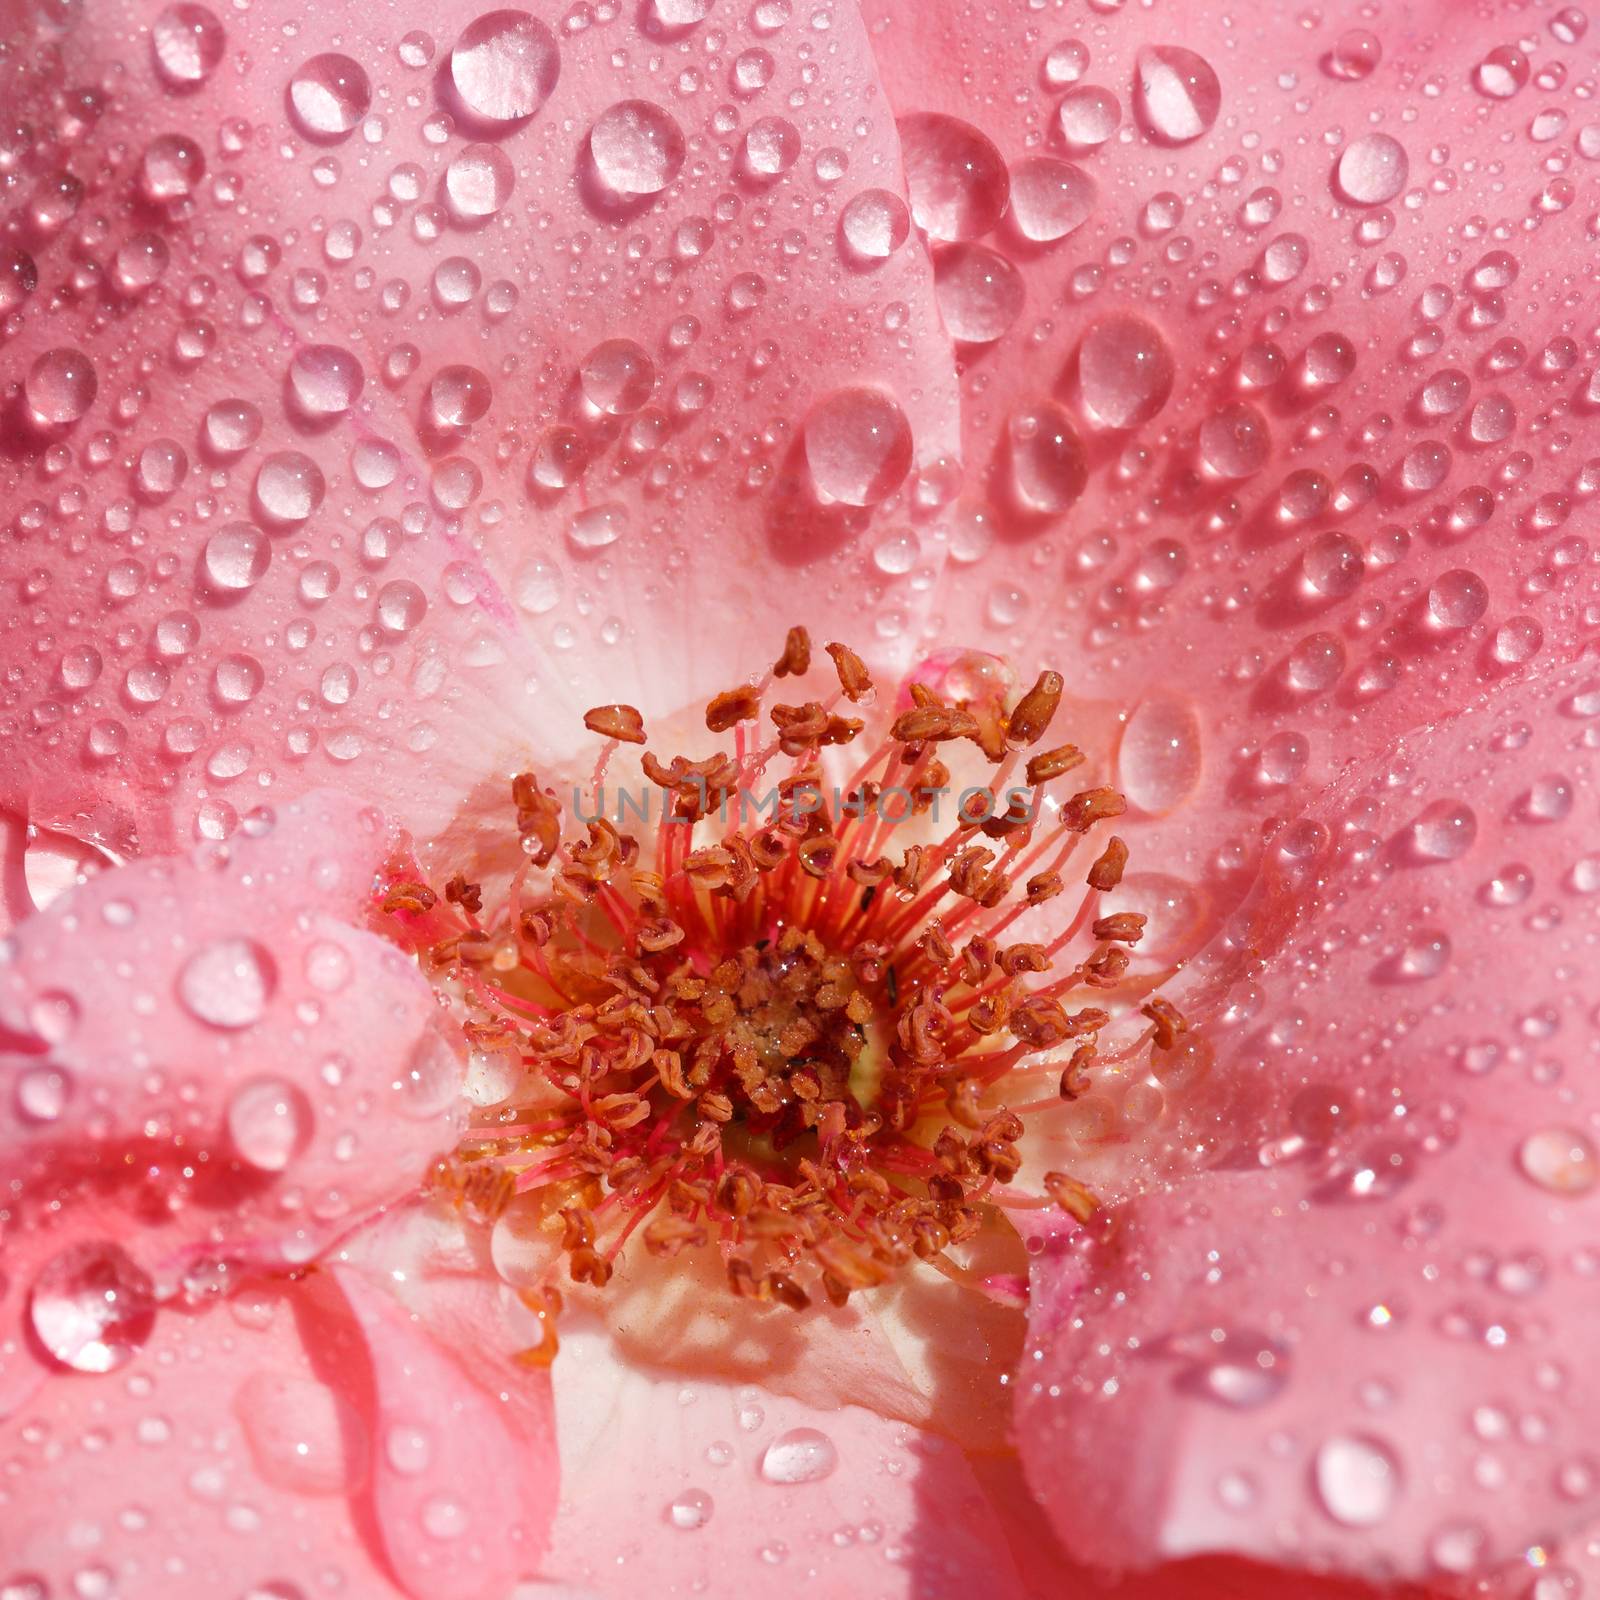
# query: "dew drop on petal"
[1158,759]
[1051,199]
[857,445]
[637,148]
[302,1436]
[955,176]
[1357,1479]
[1087,116]
[874,224]
[690,1510]
[1371,170]
[1176,96]
[504,66]
[617,377]
[1443,831]
[328,96]
[478,181]
[1125,370]
[269,1121]
[228,982]
[92,1307]
[289,487]
[980,293]
[186,42]
[1235,441]
[325,380]
[802,1455]
[1048,466]
[236,557]
[1562,1160]
[60,387]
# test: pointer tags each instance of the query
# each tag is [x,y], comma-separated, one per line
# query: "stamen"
[784,1037]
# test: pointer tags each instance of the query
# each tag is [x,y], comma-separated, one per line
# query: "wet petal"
[380,383]
[1357,1338]
[216,1047]
[674,1485]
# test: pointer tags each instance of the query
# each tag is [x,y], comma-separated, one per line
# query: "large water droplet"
[955,176]
[1235,441]
[1371,169]
[60,386]
[874,224]
[288,488]
[637,147]
[478,182]
[187,42]
[228,982]
[1562,1160]
[858,446]
[1357,1479]
[92,1307]
[1087,116]
[802,1455]
[269,1121]
[1048,465]
[617,377]
[1125,370]
[236,557]
[504,66]
[1158,760]
[325,381]
[1176,95]
[1443,831]
[1051,198]
[980,293]
[328,96]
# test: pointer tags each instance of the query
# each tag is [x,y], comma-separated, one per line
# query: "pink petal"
[707,1485]
[231,1454]
[212,1047]
[1358,1340]
[464,1478]
[179,649]
[1262,628]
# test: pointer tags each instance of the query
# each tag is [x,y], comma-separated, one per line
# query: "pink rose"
[1182,1189]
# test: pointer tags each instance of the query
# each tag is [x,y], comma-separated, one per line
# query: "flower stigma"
[788,1025]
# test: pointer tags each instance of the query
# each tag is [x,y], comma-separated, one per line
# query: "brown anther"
[579,1230]
[1035,710]
[1106,873]
[781,1287]
[841,730]
[977,960]
[409,896]
[738,1191]
[796,658]
[869,874]
[909,874]
[620,722]
[1075,1075]
[853,678]
[1169,1021]
[469,896]
[929,1237]
[1121,927]
[1050,764]
[799,727]
[1106,968]
[666,1234]
[1042,886]
[1071,1196]
[709,868]
[588,1267]
[733,705]
[936,723]
[716,1106]
[656,935]
[669,1069]
[1083,810]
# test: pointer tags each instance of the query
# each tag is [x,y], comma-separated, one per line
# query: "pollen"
[785,1019]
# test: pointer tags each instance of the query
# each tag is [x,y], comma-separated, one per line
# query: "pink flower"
[386,392]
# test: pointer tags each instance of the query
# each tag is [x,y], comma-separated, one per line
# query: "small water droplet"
[1562,1160]
[690,1510]
[801,1455]
[1371,170]
[60,387]
[1357,1479]
[92,1307]
[269,1121]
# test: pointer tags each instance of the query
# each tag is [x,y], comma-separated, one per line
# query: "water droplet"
[1125,370]
[92,1307]
[1562,1160]
[802,1455]
[1235,441]
[597,526]
[1501,73]
[1456,599]
[637,148]
[857,445]
[236,557]
[1176,95]
[187,42]
[269,1121]
[504,66]
[955,176]
[690,1510]
[1371,170]
[1087,117]
[325,381]
[874,224]
[1048,465]
[170,168]
[228,982]
[60,386]
[617,377]
[1357,1479]
[1443,831]
[1158,759]
[401,606]
[302,1436]
[980,293]
[288,488]
[328,96]
[230,427]
[1241,1368]
[1355,55]
[1051,199]
[771,147]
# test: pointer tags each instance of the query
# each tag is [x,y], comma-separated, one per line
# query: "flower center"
[790,1026]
